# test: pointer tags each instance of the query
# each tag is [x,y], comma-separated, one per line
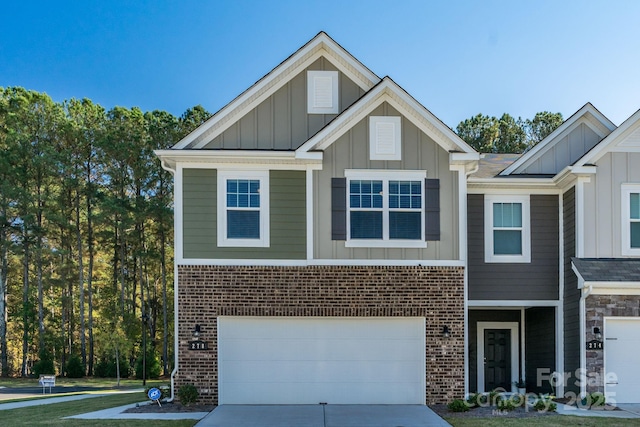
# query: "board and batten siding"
[281,121]
[287,217]
[564,152]
[537,280]
[419,152]
[603,204]
[571,300]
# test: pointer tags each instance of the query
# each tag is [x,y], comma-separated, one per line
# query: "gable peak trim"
[551,139]
[320,45]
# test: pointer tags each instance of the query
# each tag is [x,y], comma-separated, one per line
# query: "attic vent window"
[385,138]
[322,92]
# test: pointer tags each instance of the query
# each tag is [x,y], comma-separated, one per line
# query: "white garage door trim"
[309,360]
[621,349]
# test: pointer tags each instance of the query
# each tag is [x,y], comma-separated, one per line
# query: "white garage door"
[622,346]
[308,360]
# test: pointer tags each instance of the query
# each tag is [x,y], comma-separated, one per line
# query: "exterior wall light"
[445,332]
[597,333]
[196,331]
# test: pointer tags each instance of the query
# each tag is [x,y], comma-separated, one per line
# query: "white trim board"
[515,341]
[312,262]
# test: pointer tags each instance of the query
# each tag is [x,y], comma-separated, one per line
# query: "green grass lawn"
[52,414]
[559,421]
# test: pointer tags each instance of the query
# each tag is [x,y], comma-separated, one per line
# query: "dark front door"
[497,359]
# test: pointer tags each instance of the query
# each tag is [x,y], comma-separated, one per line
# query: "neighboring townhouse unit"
[320,251]
[335,242]
[554,262]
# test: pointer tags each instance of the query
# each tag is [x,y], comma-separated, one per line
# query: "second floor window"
[243,211]
[631,219]
[507,230]
[385,210]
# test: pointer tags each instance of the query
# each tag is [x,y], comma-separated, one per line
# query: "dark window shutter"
[432,209]
[338,208]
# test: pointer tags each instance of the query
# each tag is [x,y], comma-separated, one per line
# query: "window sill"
[385,244]
[507,259]
[243,243]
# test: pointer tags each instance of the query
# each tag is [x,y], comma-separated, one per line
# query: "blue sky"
[458,58]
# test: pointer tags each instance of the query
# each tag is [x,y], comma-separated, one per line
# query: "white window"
[631,219]
[385,138]
[507,231]
[385,209]
[322,92]
[243,208]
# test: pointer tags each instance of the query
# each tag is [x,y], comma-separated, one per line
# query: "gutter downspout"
[583,338]
[172,171]
[463,174]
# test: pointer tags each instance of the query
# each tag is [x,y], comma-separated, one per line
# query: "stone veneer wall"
[436,293]
[597,308]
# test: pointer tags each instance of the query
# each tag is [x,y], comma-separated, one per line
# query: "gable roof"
[625,138]
[320,45]
[588,114]
[386,91]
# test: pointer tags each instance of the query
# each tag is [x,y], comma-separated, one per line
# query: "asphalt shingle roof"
[608,269]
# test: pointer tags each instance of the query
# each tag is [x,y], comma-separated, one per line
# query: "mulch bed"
[168,407]
[490,412]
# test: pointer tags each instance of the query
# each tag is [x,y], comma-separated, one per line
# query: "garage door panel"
[327,349]
[622,346]
[311,360]
[309,371]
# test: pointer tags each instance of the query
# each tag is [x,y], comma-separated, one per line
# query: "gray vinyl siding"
[571,303]
[419,152]
[476,316]
[287,217]
[565,152]
[281,122]
[537,280]
[540,346]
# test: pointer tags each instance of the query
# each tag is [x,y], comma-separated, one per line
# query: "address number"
[198,345]
[595,345]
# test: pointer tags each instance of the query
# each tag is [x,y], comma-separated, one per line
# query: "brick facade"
[597,308]
[436,293]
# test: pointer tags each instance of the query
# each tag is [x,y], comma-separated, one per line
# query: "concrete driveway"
[322,416]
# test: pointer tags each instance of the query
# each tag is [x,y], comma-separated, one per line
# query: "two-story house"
[335,242]
[320,241]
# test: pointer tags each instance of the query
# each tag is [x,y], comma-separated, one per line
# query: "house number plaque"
[198,345]
[595,345]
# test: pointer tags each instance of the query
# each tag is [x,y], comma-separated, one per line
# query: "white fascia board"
[464,157]
[320,45]
[609,142]
[387,91]
[327,262]
[575,120]
[510,304]
[512,186]
[207,159]
[581,282]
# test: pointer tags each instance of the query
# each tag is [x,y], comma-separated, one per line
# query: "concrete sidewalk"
[626,410]
[46,401]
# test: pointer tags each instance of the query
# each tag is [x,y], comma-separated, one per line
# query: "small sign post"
[155,394]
